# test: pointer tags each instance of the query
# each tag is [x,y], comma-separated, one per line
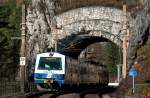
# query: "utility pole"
[22,51]
[124,46]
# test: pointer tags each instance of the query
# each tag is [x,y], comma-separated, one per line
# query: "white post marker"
[22,61]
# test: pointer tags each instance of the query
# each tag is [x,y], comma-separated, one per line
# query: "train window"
[50,63]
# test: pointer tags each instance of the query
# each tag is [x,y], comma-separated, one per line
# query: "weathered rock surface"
[39,26]
[141,30]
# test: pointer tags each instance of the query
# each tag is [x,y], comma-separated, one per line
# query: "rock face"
[141,30]
[39,26]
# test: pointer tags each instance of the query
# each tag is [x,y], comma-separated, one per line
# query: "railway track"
[88,93]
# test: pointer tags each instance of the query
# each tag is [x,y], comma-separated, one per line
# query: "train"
[54,71]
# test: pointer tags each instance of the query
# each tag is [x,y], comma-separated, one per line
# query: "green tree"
[10,19]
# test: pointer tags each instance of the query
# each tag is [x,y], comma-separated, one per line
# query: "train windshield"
[50,63]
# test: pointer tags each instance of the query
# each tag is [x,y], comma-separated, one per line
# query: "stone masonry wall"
[90,18]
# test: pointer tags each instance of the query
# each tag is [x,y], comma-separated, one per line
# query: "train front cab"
[49,70]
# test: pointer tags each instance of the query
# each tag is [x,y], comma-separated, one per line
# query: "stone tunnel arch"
[95,21]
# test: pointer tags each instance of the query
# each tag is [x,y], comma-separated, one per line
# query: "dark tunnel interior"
[78,44]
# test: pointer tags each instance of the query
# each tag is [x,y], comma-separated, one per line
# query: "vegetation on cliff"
[10,19]
[144,60]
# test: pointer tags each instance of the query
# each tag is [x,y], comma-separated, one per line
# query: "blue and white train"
[53,71]
[49,70]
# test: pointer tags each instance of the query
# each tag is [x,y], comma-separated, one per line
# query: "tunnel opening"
[77,44]
[105,53]
[95,49]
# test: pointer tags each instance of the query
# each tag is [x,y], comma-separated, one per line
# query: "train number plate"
[48,81]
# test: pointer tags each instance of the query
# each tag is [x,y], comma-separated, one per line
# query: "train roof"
[47,54]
